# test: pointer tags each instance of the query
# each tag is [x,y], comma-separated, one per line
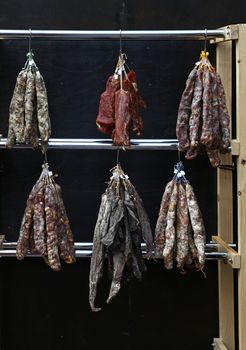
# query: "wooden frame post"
[225,212]
[241,178]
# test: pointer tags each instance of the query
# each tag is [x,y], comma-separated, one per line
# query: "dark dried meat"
[121,225]
[203,121]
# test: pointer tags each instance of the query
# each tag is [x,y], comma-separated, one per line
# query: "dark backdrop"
[46,310]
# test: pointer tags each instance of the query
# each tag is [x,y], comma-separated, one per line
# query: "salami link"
[207,134]
[224,118]
[65,236]
[39,226]
[51,227]
[44,124]
[182,127]
[195,120]
[162,221]
[29,104]
[17,112]
[182,227]
[196,223]
[26,224]
[170,229]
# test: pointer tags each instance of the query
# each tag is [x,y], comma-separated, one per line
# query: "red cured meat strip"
[105,118]
[120,134]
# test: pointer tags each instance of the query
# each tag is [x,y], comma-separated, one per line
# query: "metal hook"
[45,158]
[178,155]
[30,40]
[205,40]
[118,156]
[120,41]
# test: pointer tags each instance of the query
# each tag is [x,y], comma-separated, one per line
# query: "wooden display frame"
[225,195]
[230,328]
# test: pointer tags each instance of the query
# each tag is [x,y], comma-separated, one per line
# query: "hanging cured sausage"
[28,112]
[119,106]
[121,226]
[45,227]
[203,120]
[180,234]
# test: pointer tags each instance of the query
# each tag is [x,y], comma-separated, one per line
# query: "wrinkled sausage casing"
[180,235]
[203,121]
[45,227]
[28,112]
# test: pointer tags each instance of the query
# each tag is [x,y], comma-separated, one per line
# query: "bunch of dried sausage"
[28,112]
[180,233]
[119,106]
[121,225]
[203,119]
[45,228]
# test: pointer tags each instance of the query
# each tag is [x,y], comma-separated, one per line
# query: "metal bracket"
[2,238]
[231,33]
[233,257]
[235,147]
[218,344]
[229,167]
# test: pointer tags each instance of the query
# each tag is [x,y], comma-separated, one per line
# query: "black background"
[46,310]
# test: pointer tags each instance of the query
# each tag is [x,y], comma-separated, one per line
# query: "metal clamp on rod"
[232,256]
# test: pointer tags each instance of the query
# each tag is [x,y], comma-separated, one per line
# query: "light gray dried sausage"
[170,233]
[29,104]
[196,223]
[44,124]
[182,223]
[17,112]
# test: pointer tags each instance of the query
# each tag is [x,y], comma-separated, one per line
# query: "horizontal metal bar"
[114,34]
[84,250]
[136,144]
[80,253]
[89,245]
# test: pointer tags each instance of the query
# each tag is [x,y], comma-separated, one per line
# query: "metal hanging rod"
[114,34]
[80,253]
[84,250]
[136,144]
[88,245]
